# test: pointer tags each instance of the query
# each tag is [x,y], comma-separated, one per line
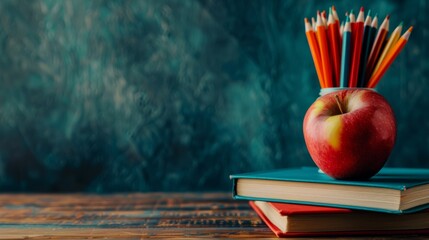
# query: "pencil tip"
[333,8]
[388,16]
[330,11]
[351,12]
[401,23]
[305,20]
[410,29]
[369,12]
[361,9]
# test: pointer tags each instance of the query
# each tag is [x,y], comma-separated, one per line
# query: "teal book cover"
[399,179]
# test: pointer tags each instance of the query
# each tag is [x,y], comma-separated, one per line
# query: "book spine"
[234,188]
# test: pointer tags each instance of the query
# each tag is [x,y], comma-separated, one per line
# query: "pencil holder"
[350,132]
[324,91]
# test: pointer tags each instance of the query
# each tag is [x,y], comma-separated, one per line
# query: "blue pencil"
[345,55]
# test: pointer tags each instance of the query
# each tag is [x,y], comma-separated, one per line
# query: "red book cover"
[286,209]
[295,209]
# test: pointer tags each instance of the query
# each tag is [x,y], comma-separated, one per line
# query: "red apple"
[355,141]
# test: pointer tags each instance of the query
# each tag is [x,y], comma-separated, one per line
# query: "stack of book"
[306,202]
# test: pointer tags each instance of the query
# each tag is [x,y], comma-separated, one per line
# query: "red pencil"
[334,44]
[337,21]
[357,47]
[335,15]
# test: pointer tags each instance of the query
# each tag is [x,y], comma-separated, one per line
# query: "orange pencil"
[357,34]
[324,52]
[376,47]
[334,44]
[389,58]
[314,49]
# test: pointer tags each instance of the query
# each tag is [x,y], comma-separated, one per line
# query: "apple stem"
[339,104]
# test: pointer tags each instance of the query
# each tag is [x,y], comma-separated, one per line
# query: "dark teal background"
[175,95]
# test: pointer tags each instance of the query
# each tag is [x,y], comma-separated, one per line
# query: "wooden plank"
[150,215]
[131,233]
[131,216]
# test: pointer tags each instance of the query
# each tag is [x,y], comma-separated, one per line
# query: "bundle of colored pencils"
[353,54]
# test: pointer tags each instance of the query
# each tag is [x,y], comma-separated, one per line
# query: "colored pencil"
[375,51]
[365,49]
[354,53]
[342,30]
[370,43]
[352,20]
[393,53]
[334,43]
[374,26]
[357,47]
[314,49]
[324,51]
[394,37]
[335,16]
[352,17]
[324,20]
[313,24]
[345,56]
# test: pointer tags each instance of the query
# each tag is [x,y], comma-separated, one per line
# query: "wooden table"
[130,216]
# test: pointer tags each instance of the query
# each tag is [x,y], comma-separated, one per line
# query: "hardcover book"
[302,220]
[393,190]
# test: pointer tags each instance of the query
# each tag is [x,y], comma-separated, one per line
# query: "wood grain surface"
[131,216]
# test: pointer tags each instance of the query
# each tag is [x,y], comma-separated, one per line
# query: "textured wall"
[175,95]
